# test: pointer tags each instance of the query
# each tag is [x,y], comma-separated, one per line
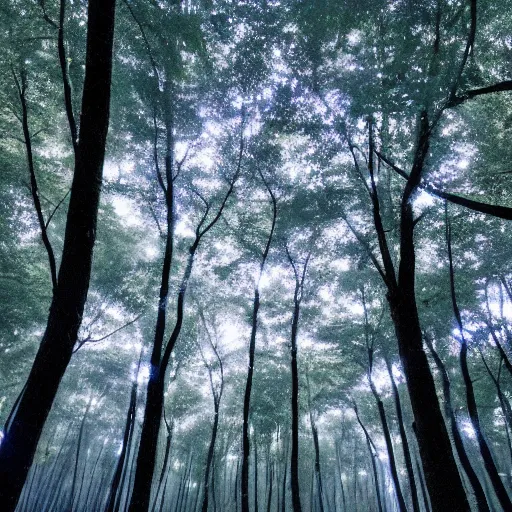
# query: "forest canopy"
[255,255]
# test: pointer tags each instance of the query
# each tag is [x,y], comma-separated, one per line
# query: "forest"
[255,255]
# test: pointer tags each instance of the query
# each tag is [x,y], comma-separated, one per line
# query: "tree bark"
[441,473]
[66,311]
[490,466]
[403,436]
[128,427]
[250,369]
[373,456]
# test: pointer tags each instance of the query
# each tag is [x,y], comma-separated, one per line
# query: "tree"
[20,442]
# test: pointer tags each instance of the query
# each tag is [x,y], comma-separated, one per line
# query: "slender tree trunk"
[389,446]
[485,451]
[271,480]
[209,458]
[441,473]
[146,457]
[317,468]
[285,474]
[373,456]
[20,441]
[164,471]
[237,485]
[294,466]
[252,349]
[128,427]
[424,491]
[403,436]
[456,435]
[342,487]
[247,404]
[255,477]
[91,479]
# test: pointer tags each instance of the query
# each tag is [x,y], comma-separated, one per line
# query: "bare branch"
[56,208]
[502,212]
[88,339]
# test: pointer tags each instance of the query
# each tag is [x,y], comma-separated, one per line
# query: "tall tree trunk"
[441,473]
[128,428]
[77,457]
[271,480]
[373,457]
[66,311]
[485,451]
[317,468]
[91,479]
[146,457]
[255,477]
[403,437]
[424,492]
[209,459]
[164,471]
[389,446]
[285,474]
[456,435]
[297,298]
[342,487]
[252,349]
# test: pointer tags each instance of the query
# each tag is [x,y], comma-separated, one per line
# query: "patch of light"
[143,375]
[127,166]
[341,264]
[468,429]
[423,199]
[231,335]
[110,171]
[151,252]
[383,456]
[124,208]
[355,307]
[463,164]
[325,294]
[183,229]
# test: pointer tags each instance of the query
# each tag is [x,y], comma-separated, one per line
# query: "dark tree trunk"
[247,404]
[20,441]
[146,457]
[128,427]
[209,458]
[342,487]
[317,469]
[485,451]
[77,457]
[271,480]
[255,477]
[373,456]
[237,485]
[294,465]
[297,299]
[389,447]
[424,492]
[457,438]
[91,479]
[285,474]
[164,471]
[441,473]
[250,370]
[405,442]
